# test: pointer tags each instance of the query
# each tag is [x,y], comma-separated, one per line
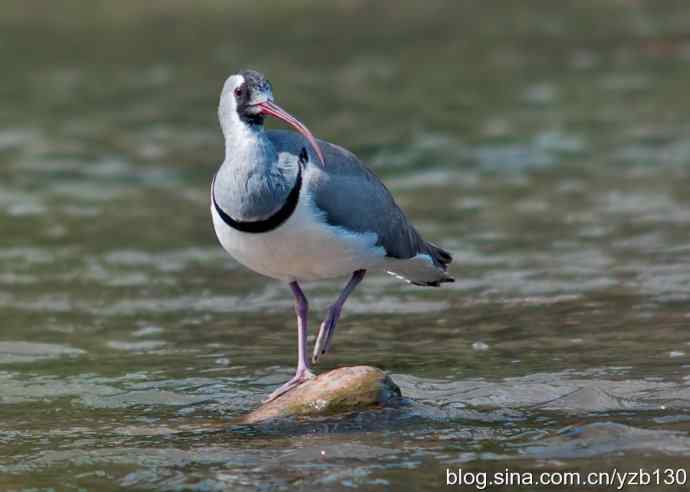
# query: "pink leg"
[303,373]
[323,340]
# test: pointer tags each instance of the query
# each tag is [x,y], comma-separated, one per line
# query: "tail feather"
[427,269]
[440,256]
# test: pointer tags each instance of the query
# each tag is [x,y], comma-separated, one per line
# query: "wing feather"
[353,197]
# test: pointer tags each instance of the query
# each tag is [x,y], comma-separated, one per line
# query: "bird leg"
[303,373]
[323,340]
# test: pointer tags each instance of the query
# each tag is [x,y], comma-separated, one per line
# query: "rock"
[341,390]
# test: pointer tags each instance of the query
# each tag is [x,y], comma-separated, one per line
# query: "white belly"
[304,247]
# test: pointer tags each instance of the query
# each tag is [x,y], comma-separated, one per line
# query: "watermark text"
[615,479]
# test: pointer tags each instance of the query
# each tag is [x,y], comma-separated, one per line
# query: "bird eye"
[238,91]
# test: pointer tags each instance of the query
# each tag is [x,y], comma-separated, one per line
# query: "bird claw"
[323,339]
[319,345]
[299,378]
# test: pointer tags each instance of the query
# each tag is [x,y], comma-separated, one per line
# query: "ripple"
[143,346]
[656,208]
[24,352]
[669,283]
[604,438]
[13,138]
[28,254]
[127,353]
[165,261]
[565,391]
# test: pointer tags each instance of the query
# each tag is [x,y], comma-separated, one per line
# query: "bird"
[295,208]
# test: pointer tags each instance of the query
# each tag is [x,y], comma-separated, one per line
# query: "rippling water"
[546,146]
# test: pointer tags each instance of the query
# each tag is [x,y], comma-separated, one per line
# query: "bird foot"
[323,339]
[300,377]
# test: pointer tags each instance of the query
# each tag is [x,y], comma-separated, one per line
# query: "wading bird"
[295,208]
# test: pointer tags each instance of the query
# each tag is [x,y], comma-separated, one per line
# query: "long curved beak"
[272,109]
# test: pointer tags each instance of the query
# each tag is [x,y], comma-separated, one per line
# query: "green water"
[546,144]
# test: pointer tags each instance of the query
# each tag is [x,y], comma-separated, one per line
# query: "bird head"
[247,98]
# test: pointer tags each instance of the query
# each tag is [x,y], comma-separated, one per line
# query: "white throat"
[243,141]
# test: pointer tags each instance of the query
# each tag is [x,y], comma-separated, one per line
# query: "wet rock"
[341,390]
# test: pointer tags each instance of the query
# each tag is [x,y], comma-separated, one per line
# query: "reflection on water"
[546,147]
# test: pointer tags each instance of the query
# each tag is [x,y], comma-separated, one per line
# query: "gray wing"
[353,197]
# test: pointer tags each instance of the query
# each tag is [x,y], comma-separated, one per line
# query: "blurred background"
[546,144]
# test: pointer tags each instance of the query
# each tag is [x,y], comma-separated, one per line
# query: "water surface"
[545,145]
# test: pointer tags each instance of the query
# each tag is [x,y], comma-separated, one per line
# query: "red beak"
[276,111]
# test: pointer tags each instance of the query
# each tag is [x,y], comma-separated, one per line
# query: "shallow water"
[546,147]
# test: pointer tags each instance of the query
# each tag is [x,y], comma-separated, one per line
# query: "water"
[545,145]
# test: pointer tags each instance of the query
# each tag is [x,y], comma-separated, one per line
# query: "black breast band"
[270,223]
